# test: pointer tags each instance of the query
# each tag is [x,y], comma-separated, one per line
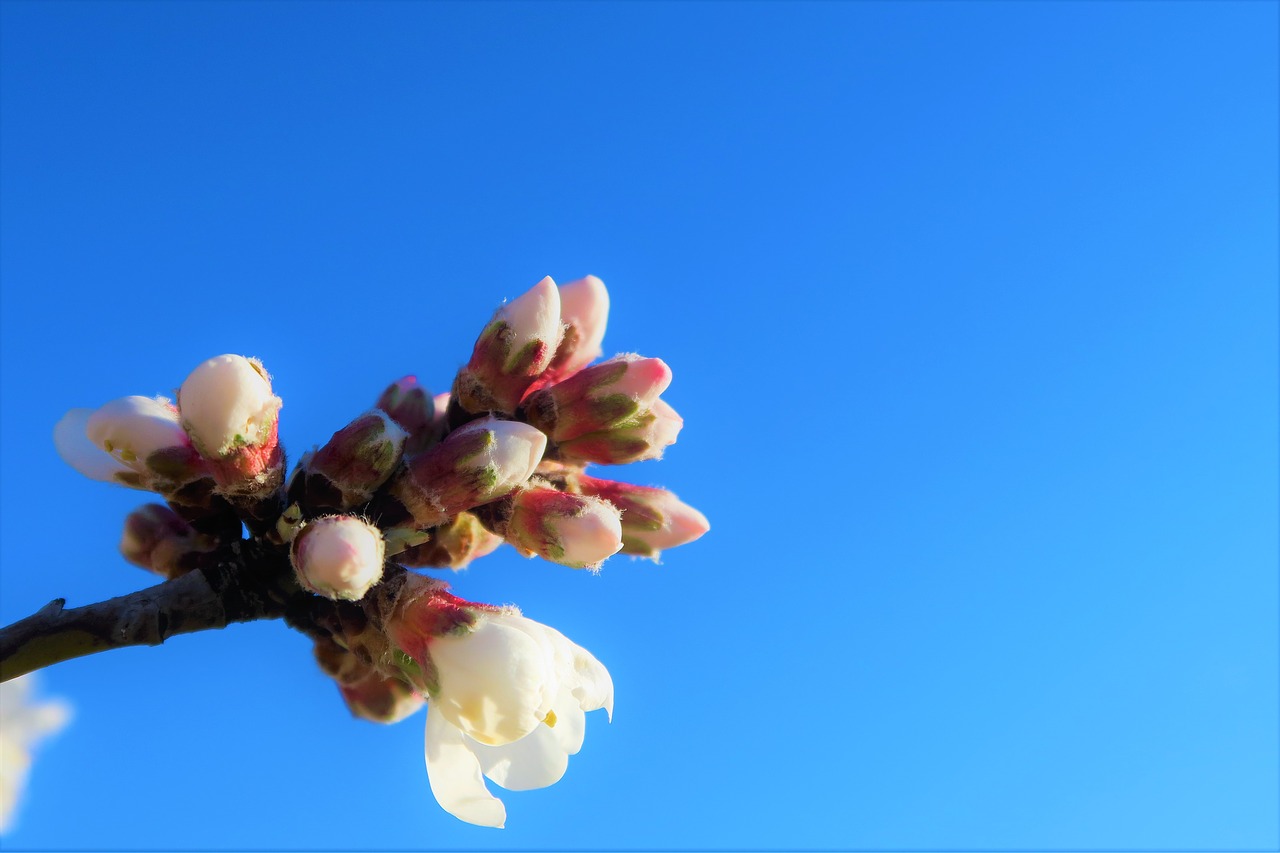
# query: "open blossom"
[509,706]
[133,441]
[23,724]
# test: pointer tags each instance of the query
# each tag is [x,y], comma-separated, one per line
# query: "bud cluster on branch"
[420,481]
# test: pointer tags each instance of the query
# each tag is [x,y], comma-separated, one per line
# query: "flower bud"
[338,556]
[453,545]
[475,464]
[584,312]
[422,612]
[228,409]
[634,440]
[380,699]
[413,408]
[134,441]
[157,539]
[598,398]
[353,464]
[579,531]
[512,351]
[652,519]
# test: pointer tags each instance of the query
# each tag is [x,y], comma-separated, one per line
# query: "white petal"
[75,448]
[539,758]
[594,687]
[454,773]
[497,681]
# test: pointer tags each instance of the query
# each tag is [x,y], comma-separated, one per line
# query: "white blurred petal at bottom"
[23,724]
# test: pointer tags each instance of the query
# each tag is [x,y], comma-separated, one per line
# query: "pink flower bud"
[413,408]
[232,416]
[157,539]
[652,519]
[338,556]
[452,545]
[584,311]
[354,463]
[579,531]
[598,398]
[475,464]
[512,351]
[636,439]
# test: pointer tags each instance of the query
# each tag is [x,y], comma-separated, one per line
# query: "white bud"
[338,556]
[226,403]
[132,428]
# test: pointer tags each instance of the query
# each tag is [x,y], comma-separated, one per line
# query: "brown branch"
[245,584]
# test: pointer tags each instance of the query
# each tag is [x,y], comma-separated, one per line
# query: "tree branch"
[242,586]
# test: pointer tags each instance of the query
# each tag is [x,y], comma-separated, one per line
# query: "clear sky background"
[972,309]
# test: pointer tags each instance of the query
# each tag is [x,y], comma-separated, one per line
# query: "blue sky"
[972,311]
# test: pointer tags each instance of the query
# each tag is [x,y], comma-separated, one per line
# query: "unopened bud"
[475,464]
[413,408]
[584,311]
[157,539]
[512,351]
[338,556]
[653,520]
[598,398]
[422,612]
[232,416]
[579,531]
[634,440]
[380,699]
[353,464]
[452,545]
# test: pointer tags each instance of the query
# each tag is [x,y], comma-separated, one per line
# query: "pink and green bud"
[653,519]
[512,351]
[157,539]
[584,312]
[639,438]
[579,531]
[452,545]
[475,464]
[354,463]
[133,441]
[598,398]
[232,416]
[338,557]
[423,612]
[412,407]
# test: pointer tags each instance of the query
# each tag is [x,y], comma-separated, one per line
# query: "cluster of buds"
[422,481]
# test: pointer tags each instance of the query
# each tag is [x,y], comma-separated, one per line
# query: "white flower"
[23,724]
[509,706]
[113,443]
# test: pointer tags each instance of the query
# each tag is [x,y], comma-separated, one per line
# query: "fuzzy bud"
[338,556]
[422,612]
[157,539]
[652,519]
[380,699]
[475,464]
[514,349]
[452,545]
[413,408]
[579,531]
[598,398]
[584,312]
[353,464]
[232,416]
[634,440]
